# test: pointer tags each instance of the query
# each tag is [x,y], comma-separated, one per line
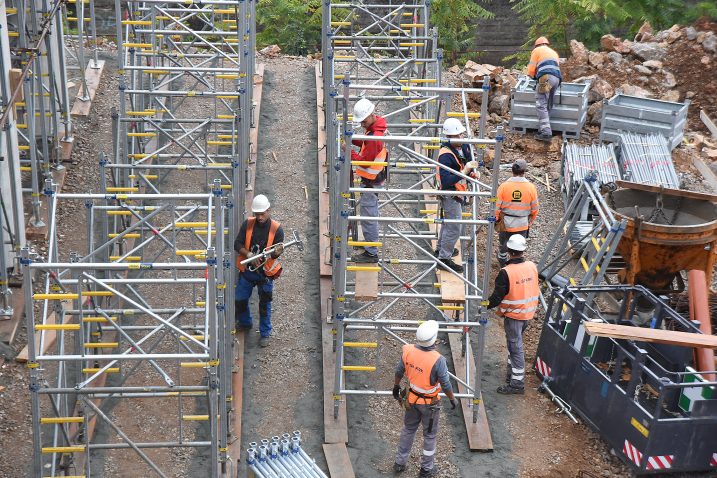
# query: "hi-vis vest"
[516,201]
[521,301]
[544,61]
[370,172]
[271,267]
[419,364]
[460,186]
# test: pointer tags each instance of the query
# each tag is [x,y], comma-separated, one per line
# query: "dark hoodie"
[378,128]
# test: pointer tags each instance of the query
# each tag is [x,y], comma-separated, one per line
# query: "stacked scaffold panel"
[647,159]
[141,326]
[578,161]
[387,53]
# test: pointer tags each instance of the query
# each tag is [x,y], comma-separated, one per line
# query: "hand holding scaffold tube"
[257,260]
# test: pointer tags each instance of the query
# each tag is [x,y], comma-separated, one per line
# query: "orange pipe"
[700,310]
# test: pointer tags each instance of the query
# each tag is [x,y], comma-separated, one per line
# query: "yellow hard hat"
[542,41]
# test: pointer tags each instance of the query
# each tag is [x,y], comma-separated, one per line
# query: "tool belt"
[427,399]
[543,85]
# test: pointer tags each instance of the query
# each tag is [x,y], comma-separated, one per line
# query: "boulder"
[632,90]
[578,52]
[670,80]
[653,64]
[596,59]
[612,43]
[690,33]
[649,51]
[671,95]
[645,33]
[615,57]
[701,37]
[643,70]
[531,145]
[599,88]
[270,51]
[710,43]
[689,95]
[594,116]
[473,72]
[455,69]
[705,60]
[500,105]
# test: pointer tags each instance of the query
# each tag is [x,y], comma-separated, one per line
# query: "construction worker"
[371,176]
[516,207]
[457,157]
[516,295]
[544,66]
[427,374]
[256,234]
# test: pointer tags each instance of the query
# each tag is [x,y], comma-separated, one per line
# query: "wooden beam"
[707,173]
[667,191]
[50,335]
[9,327]
[336,430]
[708,123]
[366,285]
[324,237]
[453,290]
[93,74]
[254,133]
[338,460]
[41,233]
[642,334]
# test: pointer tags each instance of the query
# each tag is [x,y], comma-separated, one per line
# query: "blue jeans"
[246,282]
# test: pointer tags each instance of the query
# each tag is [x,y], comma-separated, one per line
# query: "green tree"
[455,22]
[294,25]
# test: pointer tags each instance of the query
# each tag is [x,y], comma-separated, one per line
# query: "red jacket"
[378,128]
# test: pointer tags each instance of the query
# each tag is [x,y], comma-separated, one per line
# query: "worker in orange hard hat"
[544,66]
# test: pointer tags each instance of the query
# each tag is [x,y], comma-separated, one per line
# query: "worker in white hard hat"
[516,295]
[454,157]
[256,234]
[427,374]
[372,176]
[544,66]
[516,207]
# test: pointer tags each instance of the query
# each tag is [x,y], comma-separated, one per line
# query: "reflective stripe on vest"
[544,61]
[521,301]
[418,364]
[459,186]
[516,202]
[370,172]
[271,266]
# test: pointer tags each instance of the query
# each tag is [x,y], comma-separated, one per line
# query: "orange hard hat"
[542,41]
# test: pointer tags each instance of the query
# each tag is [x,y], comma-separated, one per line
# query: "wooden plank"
[335,429]
[668,191]
[709,123]
[366,285]
[707,173]
[15,79]
[338,460]
[254,133]
[479,437]
[42,233]
[235,450]
[324,237]
[453,290]
[642,334]
[50,335]
[93,74]
[9,327]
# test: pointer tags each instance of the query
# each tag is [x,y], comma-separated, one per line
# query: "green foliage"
[294,25]
[455,22]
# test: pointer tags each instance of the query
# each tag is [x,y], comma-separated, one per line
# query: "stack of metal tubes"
[579,160]
[647,159]
[282,457]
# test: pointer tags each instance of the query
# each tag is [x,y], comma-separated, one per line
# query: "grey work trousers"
[369,207]
[514,330]
[503,237]
[416,415]
[449,233]
[543,104]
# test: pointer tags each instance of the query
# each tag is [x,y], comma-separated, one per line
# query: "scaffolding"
[388,53]
[143,318]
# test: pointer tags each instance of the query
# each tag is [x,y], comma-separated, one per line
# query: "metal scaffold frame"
[172,191]
[368,52]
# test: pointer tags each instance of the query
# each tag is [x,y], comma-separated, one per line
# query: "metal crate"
[623,113]
[568,115]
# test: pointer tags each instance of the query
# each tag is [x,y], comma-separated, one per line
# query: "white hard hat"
[260,203]
[453,126]
[362,109]
[427,333]
[516,242]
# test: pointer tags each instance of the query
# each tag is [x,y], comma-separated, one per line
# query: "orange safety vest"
[517,202]
[544,60]
[370,172]
[460,186]
[521,301]
[272,267]
[419,364]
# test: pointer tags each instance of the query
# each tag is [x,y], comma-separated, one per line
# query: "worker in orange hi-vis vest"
[516,207]
[516,295]
[427,374]
[256,234]
[544,66]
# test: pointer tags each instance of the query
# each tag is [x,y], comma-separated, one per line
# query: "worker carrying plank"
[456,157]
[516,295]
[371,176]
[256,234]
[516,207]
[544,66]
[427,374]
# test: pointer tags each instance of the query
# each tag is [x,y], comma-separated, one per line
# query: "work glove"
[396,392]
[470,166]
[454,403]
[278,250]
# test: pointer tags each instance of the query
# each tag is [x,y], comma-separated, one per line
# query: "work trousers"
[369,207]
[503,237]
[544,103]
[449,233]
[514,330]
[246,282]
[419,415]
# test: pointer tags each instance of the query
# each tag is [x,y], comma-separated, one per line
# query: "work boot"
[398,468]
[264,342]
[449,264]
[510,390]
[365,257]
[426,473]
[544,137]
[242,327]
[453,254]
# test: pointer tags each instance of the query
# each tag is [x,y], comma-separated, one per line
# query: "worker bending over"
[457,157]
[516,295]
[544,66]
[427,374]
[371,176]
[256,234]
[516,208]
